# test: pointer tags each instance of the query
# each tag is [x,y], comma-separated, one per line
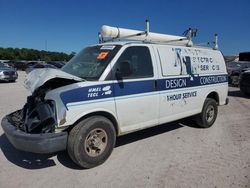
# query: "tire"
[91,141]
[208,114]
[243,90]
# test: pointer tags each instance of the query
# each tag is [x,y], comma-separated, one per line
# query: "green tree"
[32,54]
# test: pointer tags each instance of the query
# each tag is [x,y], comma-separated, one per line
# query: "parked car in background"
[234,69]
[20,65]
[39,66]
[58,64]
[244,56]
[9,63]
[7,73]
[31,63]
[245,83]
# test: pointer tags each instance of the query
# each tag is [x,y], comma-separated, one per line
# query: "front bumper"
[35,143]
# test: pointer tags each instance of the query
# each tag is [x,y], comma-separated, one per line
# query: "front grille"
[10,73]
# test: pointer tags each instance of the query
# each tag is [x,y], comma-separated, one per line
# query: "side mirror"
[118,75]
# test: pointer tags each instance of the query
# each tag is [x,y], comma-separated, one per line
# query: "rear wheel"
[209,113]
[91,141]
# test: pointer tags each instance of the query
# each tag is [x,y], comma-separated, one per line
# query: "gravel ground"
[172,155]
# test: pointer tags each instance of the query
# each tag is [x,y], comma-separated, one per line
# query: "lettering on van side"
[96,91]
[202,59]
[139,87]
[209,67]
[215,67]
[180,96]
[213,79]
[176,83]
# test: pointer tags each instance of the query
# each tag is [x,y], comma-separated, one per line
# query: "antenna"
[216,47]
[190,33]
[189,37]
[100,38]
[147,28]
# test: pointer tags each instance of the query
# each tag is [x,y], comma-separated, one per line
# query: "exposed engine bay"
[39,115]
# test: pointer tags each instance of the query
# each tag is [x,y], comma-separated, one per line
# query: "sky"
[68,26]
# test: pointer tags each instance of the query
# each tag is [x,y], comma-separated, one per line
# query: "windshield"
[90,63]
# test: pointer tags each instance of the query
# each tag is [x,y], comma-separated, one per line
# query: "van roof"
[122,43]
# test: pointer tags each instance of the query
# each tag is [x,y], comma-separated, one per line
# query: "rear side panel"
[188,76]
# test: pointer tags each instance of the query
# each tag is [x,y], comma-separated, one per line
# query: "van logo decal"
[94,92]
[106,90]
[184,62]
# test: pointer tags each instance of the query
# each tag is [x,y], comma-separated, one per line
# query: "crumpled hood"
[38,77]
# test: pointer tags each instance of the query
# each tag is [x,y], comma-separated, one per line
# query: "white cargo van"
[114,88]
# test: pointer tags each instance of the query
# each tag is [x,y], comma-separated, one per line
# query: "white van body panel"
[140,110]
[75,100]
[186,72]
[182,79]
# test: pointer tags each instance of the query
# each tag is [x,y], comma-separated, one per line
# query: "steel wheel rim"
[96,142]
[210,113]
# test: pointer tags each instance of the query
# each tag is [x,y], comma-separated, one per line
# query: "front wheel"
[208,114]
[91,141]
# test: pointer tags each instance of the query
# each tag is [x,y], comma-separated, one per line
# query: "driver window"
[135,62]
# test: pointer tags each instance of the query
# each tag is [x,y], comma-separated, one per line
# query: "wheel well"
[100,113]
[214,95]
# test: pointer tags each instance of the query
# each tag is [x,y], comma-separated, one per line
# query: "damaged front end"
[33,128]
[35,117]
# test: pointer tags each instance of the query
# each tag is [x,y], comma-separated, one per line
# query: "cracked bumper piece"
[35,143]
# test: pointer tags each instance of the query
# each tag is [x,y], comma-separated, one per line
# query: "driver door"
[135,89]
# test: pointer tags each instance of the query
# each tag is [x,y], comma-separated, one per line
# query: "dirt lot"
[171,155]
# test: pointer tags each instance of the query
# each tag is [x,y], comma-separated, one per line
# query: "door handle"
[155,85]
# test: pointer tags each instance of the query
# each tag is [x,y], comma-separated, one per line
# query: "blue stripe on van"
[184,82]
[105,91]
